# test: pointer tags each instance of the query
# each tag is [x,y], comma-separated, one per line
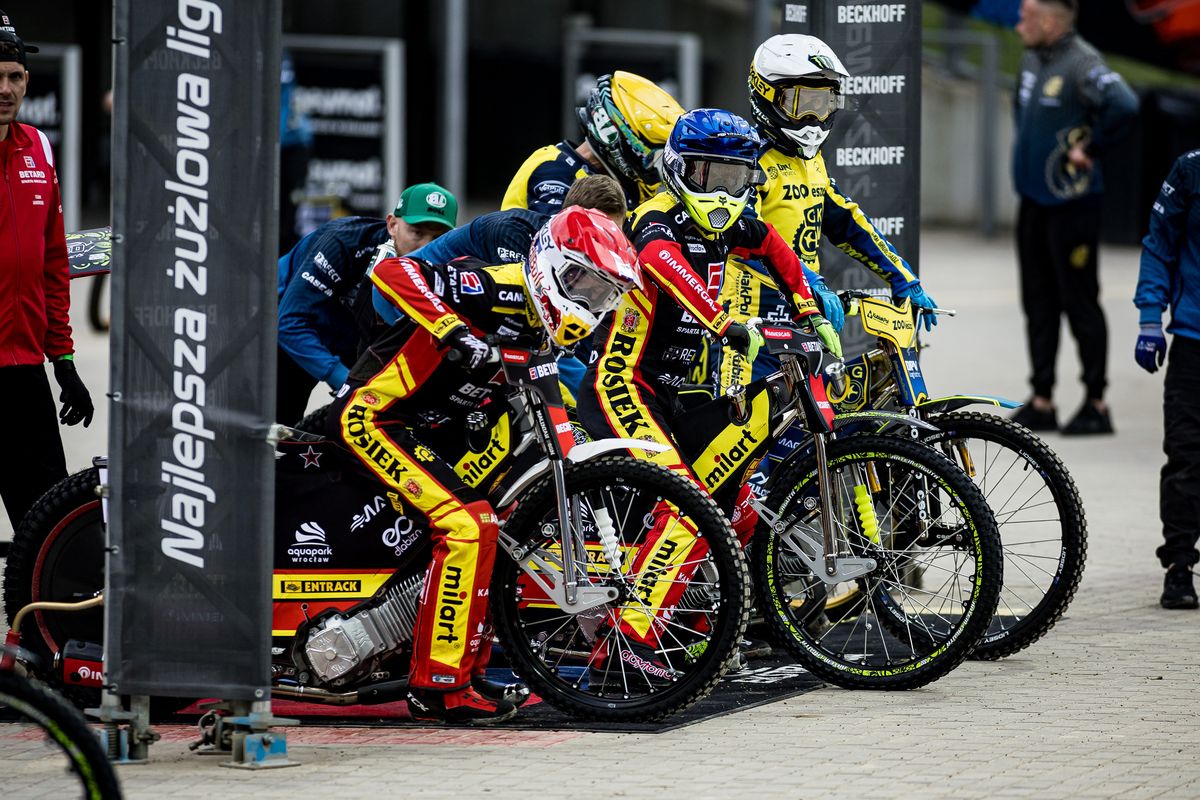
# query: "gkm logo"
[310,546]
[728,461]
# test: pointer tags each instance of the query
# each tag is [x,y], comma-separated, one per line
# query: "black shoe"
[515,693]
[633,669]
[1178,589]
[1035,419]
[1088,421]
[463,707]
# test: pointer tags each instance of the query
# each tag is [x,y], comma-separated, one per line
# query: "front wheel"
[681,589]
[937,575]
[51,751]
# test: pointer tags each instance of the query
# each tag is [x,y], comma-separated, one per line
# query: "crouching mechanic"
[320,320]
[404,396]
[683,236]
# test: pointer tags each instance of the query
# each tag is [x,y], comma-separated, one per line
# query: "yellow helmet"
[627,120]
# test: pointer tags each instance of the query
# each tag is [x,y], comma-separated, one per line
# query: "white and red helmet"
[579,265]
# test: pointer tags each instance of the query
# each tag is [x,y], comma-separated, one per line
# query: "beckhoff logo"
[310,546]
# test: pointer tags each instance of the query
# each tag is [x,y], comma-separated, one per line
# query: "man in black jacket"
[1070,108]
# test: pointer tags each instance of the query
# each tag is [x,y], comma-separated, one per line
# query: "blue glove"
[1151,350]
[831,304]
[920,300]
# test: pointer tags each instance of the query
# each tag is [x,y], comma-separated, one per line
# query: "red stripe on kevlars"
[36,582]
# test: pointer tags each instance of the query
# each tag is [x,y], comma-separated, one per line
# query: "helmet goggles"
[584,285]
[732,177]
[798,102]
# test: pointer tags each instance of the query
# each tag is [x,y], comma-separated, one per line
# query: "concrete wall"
[950,153]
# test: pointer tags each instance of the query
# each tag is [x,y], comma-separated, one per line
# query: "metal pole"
[576,27]
[689,70]
[394,152]
[72,105]
[454,98]
[989,98]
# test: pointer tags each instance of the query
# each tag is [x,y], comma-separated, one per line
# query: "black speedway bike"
[865,511]
[350,560]
[1038,509]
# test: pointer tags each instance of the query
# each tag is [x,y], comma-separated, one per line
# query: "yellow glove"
[828,336]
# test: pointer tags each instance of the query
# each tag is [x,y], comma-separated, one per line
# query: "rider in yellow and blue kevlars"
[625,122]
[795,93]
[405,391]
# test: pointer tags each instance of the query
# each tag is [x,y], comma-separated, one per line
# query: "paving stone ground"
[1105,706]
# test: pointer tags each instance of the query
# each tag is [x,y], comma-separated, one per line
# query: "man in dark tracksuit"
[1070,108]
[1170,277]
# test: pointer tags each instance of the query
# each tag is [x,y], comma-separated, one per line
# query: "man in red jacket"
[35,300]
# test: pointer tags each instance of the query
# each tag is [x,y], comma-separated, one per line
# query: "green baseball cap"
[427,202]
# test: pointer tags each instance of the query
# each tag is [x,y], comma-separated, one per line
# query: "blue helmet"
[710,162]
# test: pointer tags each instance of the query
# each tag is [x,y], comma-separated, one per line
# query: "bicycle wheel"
[1043,530]
[932,593]
[49,749]
[682,593]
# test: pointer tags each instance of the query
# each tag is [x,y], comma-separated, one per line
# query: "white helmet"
[795,91]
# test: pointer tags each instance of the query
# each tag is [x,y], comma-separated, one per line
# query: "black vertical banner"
[195,172]
[874,150]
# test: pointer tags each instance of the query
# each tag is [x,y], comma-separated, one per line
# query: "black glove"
[472,350]
[737,337]
[77,403]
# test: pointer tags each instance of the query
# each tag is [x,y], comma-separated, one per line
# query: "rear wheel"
[58,555]
[1043,530]
[937,575]
[681,584]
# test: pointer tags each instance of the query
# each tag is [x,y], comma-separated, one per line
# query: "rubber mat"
[766,680]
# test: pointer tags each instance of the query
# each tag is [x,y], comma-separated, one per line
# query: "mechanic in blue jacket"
[320,324]
[1170,278]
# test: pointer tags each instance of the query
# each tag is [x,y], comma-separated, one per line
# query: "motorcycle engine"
[342,647]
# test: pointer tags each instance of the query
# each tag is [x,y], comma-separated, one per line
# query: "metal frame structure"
[71,58]
[392,51]
[580,34]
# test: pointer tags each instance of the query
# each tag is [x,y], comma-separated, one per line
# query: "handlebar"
[850,301]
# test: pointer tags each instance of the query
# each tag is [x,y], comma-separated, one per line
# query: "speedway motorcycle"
[1037,505]
[350,560]
[860,511]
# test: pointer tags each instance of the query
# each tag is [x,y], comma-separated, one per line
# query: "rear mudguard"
[580,452]
[940,405]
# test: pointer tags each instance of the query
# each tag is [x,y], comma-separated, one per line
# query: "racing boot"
[460,707]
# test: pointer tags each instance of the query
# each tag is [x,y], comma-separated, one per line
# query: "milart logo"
[310,546]
[728,461]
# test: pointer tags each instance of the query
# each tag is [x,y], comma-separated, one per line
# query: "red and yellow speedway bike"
[1038,510]
[350,560]
[865,510]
